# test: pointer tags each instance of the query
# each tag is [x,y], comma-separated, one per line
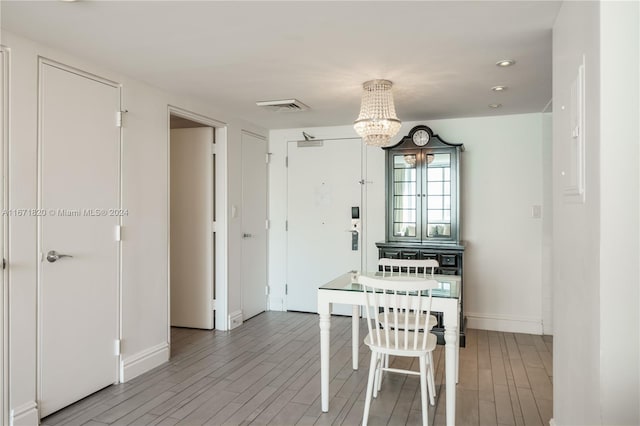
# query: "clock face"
[421,137]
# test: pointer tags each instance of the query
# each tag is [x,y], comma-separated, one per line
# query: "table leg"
[451,341]
[325,338]
[355,335]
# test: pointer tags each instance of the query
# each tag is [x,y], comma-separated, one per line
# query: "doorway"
[197,249]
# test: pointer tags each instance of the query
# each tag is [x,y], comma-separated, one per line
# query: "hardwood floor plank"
[504,409]
[135,415]
[290,414]
[529,407]
[487,413]
[540,383]
[532,359]
[545,408]
[547,362]
[519,373]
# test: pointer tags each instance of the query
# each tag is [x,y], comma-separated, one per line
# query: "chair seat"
[433,321]
[390,349]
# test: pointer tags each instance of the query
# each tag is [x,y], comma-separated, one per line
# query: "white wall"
[576,227]
[619,212]
[501,181]
[596,244]
[145,195]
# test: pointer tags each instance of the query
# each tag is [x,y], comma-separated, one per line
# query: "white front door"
[254,232]
[79,147]
[192,200]
[323,184]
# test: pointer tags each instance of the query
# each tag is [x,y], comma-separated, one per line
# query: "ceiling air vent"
[284,105]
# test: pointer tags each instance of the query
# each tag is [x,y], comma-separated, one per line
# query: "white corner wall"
[501,181]
[597,244]
[620,212]
[576,227]
[145,239]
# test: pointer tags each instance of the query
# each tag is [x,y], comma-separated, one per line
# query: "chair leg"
[380,373]
[432,376]
[430,381]
[377,377]
[423,390]
[370,385]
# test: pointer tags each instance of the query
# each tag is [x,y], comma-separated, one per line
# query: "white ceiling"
[440,55]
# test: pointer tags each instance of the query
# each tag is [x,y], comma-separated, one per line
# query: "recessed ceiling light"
[505,62]
[499,88]
[495,105]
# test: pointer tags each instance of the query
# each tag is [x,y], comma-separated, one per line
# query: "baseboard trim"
[552,422]
[235,319]
[25,415]
[144,361]
[505,323]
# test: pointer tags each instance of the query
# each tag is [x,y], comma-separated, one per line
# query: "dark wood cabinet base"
[450,258]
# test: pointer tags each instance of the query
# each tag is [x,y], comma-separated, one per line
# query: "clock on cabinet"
[421,136]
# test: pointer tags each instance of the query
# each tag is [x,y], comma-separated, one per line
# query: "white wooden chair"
[424,268]
[394,335]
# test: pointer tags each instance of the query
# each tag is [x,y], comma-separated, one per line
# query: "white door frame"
[42,61]
[221,245]
[4,248]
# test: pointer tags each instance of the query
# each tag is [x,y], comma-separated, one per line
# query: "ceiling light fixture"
[505,62]
[499,88]
[377,122]
[495,105]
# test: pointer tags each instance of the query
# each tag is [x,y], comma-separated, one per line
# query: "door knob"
[53,256]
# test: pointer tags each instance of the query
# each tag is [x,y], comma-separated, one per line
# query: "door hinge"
[286,289]
[118,232]
[267,158]
[286,161]
[213,226]
[266,290]
[213,148]
[213,304]
[267,224]
[118,347]
[286,225]
[4,264]
[119,117]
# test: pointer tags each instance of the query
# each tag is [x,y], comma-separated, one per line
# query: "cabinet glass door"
[437,198]
[405,189]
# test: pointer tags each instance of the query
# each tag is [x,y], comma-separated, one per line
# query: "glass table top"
[448,285]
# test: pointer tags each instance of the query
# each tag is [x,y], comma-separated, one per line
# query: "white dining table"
[346,290]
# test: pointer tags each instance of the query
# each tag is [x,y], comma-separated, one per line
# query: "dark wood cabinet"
[423,206]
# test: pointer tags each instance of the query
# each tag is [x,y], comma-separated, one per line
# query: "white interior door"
[79,196]
[192,199]
[254,232]
[323,184]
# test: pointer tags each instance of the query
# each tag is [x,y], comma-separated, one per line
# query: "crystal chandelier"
[377,122]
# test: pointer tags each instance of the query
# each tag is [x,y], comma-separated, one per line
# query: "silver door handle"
[247,235]
[53,256]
